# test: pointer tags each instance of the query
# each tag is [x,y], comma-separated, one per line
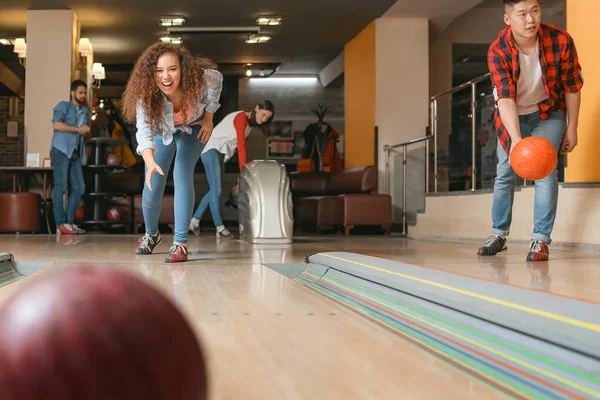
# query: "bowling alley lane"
[267,336]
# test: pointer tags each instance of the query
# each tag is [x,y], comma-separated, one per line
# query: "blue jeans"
[546,189]
[186,150]
[214,164]
[66,170]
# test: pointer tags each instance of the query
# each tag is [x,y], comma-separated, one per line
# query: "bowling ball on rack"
[533,158]
[97,333]
[79,214]
[113,159]
[113,214]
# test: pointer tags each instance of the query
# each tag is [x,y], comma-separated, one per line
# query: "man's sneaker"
[148,243]
[492,246]
[538,251]
[177,253]
[66,229]
[78,229]
[225,234]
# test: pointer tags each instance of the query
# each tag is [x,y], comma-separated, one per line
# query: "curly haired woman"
[168,90]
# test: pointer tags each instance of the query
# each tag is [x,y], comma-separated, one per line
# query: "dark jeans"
[66,170]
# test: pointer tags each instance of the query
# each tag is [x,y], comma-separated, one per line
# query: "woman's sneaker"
[148,243]
[492,246]
[177,253]
[194,227]
[225,234]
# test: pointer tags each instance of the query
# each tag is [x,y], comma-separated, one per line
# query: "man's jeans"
[66,170]
[546,189]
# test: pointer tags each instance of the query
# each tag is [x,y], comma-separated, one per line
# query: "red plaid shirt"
[561,72]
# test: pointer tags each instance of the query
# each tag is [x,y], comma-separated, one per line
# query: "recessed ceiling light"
[269,20]
[172,21]
[252,39]
[172,40]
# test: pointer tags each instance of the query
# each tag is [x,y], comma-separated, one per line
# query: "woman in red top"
[227,137]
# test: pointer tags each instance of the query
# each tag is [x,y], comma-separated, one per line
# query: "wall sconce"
[99,74]
[21,50]
[84,50]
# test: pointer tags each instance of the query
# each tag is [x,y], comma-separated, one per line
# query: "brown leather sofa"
[341,199]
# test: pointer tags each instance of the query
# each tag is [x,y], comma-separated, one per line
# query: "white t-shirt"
[230,135]
[530,87]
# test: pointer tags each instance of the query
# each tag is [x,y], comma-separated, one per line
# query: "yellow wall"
[582,24]
[359,99]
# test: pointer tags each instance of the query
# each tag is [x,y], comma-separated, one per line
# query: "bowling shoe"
[147,244]
[492,246]
[177,253]
[538,251]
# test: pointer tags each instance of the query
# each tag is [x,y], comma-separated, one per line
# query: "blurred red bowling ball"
[97,333]
[113,214]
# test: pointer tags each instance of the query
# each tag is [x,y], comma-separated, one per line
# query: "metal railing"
[392,148]
[433,134]
[434,125]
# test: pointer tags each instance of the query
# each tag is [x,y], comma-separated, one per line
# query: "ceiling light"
[172,21]
[258,39]
[269,20]
[282,80]
[172,40]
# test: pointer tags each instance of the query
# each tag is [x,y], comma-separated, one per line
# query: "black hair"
[511,2]
[268,125]
[76,83]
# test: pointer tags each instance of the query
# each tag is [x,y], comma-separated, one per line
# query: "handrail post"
[386,178]
[426,166]
[473,136]
[404,161]
[435,145]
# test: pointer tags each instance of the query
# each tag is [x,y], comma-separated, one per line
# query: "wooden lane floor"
[266,336]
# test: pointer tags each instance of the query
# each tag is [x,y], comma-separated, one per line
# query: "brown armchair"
[347,198]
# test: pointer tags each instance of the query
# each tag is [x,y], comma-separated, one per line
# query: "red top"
[561,71]
[240,122]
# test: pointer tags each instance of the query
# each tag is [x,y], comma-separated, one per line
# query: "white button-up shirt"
[212,87]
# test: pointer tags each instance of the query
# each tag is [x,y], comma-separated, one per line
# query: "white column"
[52,37]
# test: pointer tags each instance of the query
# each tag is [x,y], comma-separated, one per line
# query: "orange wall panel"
[359,99]
[582,24]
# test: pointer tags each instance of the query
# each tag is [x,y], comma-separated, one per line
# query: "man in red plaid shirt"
[536,80]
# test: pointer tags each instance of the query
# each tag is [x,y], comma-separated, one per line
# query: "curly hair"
[141,85]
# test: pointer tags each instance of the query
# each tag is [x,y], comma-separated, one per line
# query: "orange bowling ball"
[79,214]
[533,158]
[97,333]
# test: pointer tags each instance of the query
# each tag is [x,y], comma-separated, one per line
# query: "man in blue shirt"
[68,155]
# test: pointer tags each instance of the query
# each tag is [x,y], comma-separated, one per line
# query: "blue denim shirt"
[66,112]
